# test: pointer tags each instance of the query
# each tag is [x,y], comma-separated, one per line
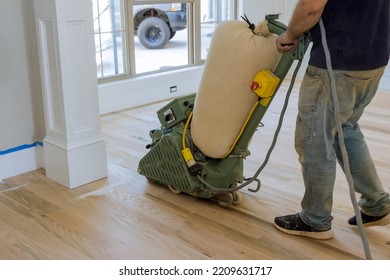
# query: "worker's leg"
[314,140]
[363,85]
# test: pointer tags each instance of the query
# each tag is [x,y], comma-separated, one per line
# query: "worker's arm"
[307,13]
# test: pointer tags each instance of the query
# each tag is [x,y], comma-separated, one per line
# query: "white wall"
[21,113]
[385,82]
[256,10]
[138,91]
[20,106]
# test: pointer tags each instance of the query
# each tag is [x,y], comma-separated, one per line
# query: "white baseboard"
[21,160]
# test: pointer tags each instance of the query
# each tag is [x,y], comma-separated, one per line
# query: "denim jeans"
[317,143]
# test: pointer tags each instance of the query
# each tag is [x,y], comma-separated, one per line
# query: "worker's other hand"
[286,44]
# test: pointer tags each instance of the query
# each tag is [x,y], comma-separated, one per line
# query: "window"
[110,38]
[212,13]
[162,35]
[136,37]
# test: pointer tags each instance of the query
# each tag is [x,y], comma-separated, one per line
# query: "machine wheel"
[237,197]
[227,199]
[153,33]
[151,180]
[174,190]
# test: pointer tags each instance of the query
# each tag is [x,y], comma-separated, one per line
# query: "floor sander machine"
[195,151]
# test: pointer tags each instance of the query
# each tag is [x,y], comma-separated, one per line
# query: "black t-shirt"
[358,35]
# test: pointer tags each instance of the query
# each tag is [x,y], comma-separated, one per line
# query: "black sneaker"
[369,221]
[293,224]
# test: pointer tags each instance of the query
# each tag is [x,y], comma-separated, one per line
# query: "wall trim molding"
[20,160]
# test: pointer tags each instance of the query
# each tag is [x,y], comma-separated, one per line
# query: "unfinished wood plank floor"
[125,217]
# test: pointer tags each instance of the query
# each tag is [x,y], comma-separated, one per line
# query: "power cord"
[342,143]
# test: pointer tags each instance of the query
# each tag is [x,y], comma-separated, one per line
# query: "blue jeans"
[317,144]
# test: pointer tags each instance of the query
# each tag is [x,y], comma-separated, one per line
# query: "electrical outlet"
[173,89]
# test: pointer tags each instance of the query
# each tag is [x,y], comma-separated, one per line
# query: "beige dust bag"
[224,98]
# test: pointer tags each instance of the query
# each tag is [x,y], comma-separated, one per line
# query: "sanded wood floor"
[125,217]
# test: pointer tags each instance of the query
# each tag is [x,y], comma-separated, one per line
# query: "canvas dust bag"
[224,98]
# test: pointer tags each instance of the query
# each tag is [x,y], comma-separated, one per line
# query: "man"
[358,36]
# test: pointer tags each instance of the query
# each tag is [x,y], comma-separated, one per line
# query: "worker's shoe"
[293,224]
[369,221]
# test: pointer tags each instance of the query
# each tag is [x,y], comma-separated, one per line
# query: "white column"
[74,150]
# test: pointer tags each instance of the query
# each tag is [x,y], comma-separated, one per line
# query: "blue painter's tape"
[22,147]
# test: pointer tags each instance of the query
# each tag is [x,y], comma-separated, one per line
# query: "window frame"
[193,33]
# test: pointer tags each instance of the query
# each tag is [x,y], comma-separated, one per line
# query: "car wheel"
[172,34]
[153,33]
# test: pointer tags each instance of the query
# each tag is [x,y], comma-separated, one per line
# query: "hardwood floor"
[126,217]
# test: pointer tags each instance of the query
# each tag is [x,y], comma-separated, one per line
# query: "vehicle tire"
[153,33]
[172,34]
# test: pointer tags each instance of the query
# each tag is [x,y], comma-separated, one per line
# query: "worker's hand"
[286,44]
